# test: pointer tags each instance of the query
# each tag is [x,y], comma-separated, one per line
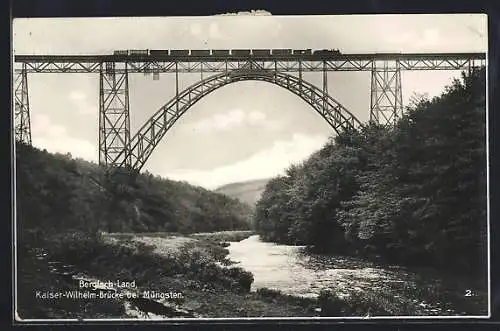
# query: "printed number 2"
[468,293]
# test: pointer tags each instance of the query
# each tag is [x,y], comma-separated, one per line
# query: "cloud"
[264,164]
[206,29]
[196,29]
[214,31]
[56,139]
[430,37]
[256,117]
[232,120]
[77,95]
[81,103]
[421,39]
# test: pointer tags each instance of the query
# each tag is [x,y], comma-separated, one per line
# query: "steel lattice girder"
[114,119]
[150,134]
[22,123]
[347,62]
[386,105]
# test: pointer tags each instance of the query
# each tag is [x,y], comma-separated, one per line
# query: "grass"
[208,289]
[230,236]
[34,274]
[223,236]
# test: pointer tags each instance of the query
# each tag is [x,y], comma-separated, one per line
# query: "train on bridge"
[227,52]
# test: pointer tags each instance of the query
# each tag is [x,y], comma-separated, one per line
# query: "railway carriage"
[200,52]
[158,52]
[302,51]
[220,52]
[240,52]
[120,52]
[179,52]
[282,51]
[139,52]
[261,52]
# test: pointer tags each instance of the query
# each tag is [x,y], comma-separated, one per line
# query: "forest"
[77,218]
[413,194]
[58,193]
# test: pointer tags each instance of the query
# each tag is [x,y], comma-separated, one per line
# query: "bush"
[330,304]
[244,279]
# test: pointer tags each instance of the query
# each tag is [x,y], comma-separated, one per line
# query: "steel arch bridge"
[150,134]
[118,149]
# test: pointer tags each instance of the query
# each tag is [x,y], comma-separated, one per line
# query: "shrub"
[330,304]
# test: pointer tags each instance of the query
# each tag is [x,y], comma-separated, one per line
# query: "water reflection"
[292,271]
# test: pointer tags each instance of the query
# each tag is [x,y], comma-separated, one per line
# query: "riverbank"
[189,267]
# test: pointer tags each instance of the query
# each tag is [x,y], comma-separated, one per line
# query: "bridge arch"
[150,134]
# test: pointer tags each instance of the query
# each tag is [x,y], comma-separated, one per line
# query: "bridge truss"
[118,148]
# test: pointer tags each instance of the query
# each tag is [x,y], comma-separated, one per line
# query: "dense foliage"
[56,193]
[412,194]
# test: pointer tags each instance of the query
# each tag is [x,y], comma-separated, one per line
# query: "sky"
[245,130]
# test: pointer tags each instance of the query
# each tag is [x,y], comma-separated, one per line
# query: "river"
[290,270]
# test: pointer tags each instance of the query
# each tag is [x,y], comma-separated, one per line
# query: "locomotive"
[327,52]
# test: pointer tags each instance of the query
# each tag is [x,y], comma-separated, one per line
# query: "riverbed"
[292,271]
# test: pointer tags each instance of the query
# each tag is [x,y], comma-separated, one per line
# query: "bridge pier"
[22,122]
[177,85]
[325,87]
[300,75]
[114,119]
[386,105]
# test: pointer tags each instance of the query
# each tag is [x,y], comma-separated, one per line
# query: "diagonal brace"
[22,122]
[386,105]
[114,116]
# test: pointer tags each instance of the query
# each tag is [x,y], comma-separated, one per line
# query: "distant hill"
[247,191]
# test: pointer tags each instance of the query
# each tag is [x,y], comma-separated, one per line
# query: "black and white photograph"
[250,166]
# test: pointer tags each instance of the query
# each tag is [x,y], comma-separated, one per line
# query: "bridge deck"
[217,58]
[223,63]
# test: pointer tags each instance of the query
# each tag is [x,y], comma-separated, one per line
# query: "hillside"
[248,191]
[57,193]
